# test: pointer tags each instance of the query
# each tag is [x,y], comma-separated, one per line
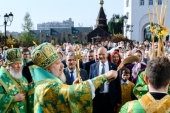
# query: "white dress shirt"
[106,67]
[123,82]
[74,73]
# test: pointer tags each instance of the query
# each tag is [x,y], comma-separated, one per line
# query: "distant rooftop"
[55,24]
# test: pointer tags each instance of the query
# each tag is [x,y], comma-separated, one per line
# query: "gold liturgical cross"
[78,56]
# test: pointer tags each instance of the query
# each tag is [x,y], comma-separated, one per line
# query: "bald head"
[102,49]
[102,54]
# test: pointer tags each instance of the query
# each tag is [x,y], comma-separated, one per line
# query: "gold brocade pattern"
[13,55]
[153,106]
[8,89]
[44,55]
[54,97]
[147,104]
[97,81]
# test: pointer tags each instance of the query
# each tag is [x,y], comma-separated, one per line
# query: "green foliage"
[114,27]
[26,39]
[119,37]
[76,41]
[28,24]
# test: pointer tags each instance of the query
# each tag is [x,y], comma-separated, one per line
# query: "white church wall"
[138,17]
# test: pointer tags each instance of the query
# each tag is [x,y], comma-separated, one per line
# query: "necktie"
[102,86]
[72,77]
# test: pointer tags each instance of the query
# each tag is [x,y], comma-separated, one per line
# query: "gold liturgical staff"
[78,56]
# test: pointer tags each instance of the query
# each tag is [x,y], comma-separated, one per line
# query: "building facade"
[137,13]
[62,35]
[65,24]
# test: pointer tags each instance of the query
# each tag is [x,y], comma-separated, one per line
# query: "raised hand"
[77,81]
[111,75]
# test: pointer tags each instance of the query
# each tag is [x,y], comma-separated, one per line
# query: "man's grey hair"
[69,46]
[70,54]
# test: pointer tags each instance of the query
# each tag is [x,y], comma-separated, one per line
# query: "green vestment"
[52,96]
[9,87]
[25,61]
[147,104]
[31,98]
[141,87]
[30,105]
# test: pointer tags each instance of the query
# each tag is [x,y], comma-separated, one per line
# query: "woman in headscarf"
[138,66]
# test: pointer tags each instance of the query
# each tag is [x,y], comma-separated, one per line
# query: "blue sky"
[81,11]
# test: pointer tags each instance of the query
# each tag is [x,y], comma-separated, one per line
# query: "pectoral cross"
[78,56]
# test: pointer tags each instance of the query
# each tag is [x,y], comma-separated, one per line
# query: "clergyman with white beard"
[13,86]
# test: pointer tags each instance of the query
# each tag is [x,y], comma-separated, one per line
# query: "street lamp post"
[125,19]
[92,40]
[128,28]
[6,18]
[116,18]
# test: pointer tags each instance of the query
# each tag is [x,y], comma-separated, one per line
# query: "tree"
[28,24]
[27,38]
[114,27]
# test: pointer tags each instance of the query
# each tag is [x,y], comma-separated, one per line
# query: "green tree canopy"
[26,38]
[116,27]
[28,24]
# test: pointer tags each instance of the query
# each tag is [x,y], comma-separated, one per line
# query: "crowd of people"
[44,79]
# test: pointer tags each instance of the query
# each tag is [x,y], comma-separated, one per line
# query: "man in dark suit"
[107,96]
[71,72]
[69,49]
[26,72]
[65,65]
[90,56]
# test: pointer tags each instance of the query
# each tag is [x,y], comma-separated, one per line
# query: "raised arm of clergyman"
[99,80]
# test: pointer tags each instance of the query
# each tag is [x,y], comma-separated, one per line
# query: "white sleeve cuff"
[92,88]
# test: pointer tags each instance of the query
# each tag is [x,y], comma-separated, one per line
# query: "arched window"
[127,3]
[150,2]
[141,2]
[159,2]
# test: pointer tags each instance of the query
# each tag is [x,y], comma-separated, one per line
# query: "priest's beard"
[17,75]
[62,77]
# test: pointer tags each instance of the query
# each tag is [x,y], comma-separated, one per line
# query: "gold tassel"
[34,43]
